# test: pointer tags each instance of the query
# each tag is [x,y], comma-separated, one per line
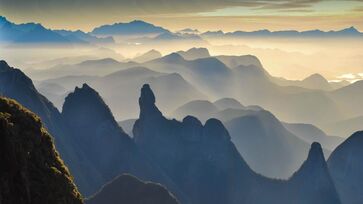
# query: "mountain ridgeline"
[206,166]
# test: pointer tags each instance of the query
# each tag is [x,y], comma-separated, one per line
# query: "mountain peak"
[172,58]
[351,29]
[216,130]
[4,65]
[315,152]
[81,102]
[315,77]
[147,102]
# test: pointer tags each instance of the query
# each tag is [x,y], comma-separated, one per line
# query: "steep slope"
[346,166]
[310,133]
[343,98]
[206,166]
[31,170]
[127,188]
[109,150]
[314,81]
[345,127]
[283,151]
[16,85]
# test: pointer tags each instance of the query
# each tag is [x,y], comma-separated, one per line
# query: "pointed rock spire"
[147,103]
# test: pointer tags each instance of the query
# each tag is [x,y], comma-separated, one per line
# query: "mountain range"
[313,100]
[35,33]
[347,32]
[195,162]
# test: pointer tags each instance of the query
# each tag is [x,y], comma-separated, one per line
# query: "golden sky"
[226,15]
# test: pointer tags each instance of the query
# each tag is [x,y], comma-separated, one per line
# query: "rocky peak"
[4,66]
[214,129]
[315,166]
[83,101]
[147,103]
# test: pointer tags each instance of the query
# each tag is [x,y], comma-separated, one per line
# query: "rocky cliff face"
[31,170]
[127,188]
[346,167]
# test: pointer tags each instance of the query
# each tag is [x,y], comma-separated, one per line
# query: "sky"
[226,15]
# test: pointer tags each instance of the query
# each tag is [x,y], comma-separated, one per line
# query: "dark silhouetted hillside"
[129,189]
[346,167]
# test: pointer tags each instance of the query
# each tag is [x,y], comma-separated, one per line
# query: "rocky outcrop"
[31,170]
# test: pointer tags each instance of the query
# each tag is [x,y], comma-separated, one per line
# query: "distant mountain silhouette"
[206,166]
[169,37]
[97,67]
[132,28]
[31,170]
[31,33]
[189,31]
[150,55]
[235,61]
[347,32]
[194,53]
[346,166]
[310,133]
[225,103]
[127,188]
[82,36]
[343,97]
[315,81]
[283,152]
[128,81]
[344,127]
[256,86]
[201,108]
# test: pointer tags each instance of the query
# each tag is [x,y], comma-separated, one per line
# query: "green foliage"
[32,171]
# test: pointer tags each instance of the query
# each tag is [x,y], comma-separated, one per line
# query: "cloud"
[147,7]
